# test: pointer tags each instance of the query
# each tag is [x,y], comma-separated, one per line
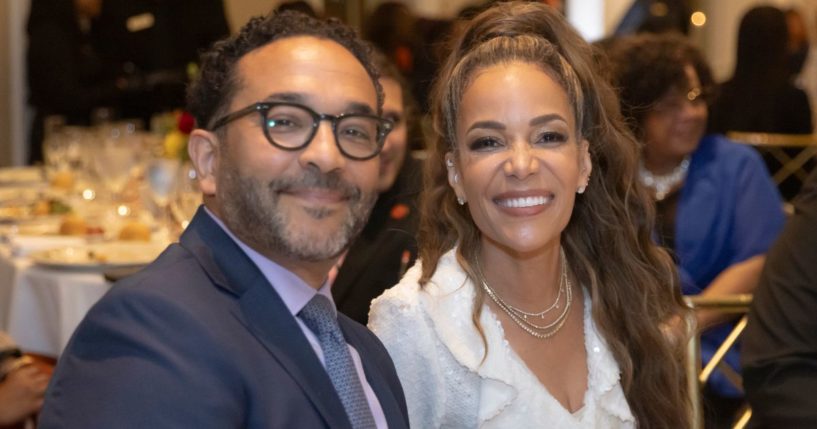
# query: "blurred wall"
[14,115]
[5,100]
[239,11]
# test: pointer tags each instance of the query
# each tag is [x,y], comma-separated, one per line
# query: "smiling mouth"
[317,196]
[523,202]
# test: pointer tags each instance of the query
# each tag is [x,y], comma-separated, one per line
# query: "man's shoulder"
[173,284]
[174,268]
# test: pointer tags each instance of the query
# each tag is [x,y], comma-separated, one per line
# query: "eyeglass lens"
[293,126]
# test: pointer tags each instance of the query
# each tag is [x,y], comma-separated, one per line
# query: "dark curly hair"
[210,94]
[644,68]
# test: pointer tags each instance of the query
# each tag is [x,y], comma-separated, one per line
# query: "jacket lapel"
[263,312]
[453,303]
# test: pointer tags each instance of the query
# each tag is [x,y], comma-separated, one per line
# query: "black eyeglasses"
[291,126]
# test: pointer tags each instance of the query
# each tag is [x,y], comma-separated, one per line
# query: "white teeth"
[524,202]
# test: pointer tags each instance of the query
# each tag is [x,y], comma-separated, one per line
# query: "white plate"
[99,256]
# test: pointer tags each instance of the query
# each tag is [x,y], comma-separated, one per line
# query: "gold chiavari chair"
[697,376]
[791,151]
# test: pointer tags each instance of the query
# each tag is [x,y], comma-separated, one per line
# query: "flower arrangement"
[178,125]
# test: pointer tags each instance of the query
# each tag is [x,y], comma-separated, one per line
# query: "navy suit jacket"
[200,339]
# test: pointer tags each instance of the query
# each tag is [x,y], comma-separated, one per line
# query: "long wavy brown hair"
[632,283]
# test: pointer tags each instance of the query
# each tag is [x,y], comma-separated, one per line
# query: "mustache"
[313,178]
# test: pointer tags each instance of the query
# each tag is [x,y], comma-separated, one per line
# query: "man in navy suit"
[212,334]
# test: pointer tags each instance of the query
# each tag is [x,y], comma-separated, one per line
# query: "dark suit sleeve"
[126,368]
[780,344]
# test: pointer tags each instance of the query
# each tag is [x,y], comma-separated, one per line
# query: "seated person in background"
[156,42]
[66,75]
[234,326]
[22,384]
[761,96]
[387,245]
[539,297]
[297,6]
[780,342]
[718,210]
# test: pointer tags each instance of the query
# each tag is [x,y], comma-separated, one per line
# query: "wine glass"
[188,195]
[162,176]
[115,156]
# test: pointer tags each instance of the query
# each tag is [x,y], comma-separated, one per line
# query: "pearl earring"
[461,200]
[581,189]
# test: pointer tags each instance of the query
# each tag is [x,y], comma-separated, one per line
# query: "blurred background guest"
[780,342]
[133,57]
[390,27]
[655,16]
[66,75]
[798,46]
[540,290]
[298,6]
[718,211]
[387,246]
[760,96]
[155,42]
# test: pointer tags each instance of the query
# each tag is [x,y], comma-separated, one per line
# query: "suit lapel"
[263,313]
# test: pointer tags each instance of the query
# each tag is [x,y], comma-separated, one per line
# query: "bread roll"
[73,225]
[135,231]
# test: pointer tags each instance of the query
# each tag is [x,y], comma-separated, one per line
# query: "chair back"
[697,376]
[794,154]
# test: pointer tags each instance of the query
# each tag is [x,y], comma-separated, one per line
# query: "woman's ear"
[585,166]
[454,177]
[203,147]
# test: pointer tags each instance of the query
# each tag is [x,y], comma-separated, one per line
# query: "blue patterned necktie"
[319,316]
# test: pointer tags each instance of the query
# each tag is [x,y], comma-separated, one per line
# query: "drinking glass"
[162,176]
[116,155]
[188,195]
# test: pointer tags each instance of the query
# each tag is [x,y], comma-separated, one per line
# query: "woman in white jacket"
[540,297]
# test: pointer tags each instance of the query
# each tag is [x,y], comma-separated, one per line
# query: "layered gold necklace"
[536,323]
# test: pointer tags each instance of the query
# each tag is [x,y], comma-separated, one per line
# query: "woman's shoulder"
[719,151]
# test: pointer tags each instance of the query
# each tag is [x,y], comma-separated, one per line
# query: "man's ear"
[203,147]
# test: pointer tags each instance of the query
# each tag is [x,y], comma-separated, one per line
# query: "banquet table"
[40,307]
[45,294]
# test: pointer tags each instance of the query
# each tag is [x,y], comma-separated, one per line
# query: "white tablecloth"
[41,307]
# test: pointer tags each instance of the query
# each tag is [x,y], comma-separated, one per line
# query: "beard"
[254,213]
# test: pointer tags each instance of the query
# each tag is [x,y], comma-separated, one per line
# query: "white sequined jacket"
[438,355]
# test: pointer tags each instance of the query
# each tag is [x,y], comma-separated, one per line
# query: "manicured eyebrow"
[546,118]
[491,125]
